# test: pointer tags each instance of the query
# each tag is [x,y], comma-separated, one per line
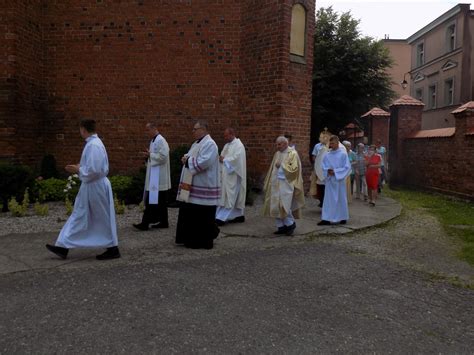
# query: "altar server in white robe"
[336,168]
[283,186]
[157,181]
[92,222]
[233,167]
[199,192]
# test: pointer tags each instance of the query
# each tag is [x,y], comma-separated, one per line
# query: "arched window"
[298,31]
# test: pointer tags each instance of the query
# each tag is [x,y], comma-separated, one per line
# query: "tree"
[349,74]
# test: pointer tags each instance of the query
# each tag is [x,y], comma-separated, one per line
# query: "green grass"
[456,216]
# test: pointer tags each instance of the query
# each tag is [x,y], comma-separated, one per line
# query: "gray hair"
[202,124]
[281,139]
[347,143]
[151,125]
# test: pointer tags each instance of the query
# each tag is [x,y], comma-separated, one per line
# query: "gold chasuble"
[284,186]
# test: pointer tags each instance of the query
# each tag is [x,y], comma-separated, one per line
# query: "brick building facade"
[125,63]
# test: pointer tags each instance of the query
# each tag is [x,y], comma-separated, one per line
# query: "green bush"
[48,167]
[51,189]
[14,180]
[41,210]
[18,210]
[135,191]
[121,186]
[175,169]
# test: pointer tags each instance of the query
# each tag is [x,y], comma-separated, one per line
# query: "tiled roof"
[469,106]
[407,100]
[435,133]
[376,112]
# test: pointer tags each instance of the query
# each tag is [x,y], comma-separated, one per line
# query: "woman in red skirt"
[373,162]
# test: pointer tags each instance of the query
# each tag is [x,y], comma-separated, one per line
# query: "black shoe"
[324,223]
[240,219]
[281,230]
[290,229]
[343,221]
[110,253]
[220,222]
[61,252]
[160,225]
[141,226]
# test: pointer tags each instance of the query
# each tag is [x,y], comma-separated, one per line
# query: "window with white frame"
[432,96]
[420,54]
[451,38]
[449,91]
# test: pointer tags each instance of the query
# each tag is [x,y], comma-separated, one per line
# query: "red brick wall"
[443,164]
[380,130]
[22,91]
[129,62]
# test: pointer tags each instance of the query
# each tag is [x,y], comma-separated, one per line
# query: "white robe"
[233,181]
[335,207]
[159,160]
[92,222]
[202,174]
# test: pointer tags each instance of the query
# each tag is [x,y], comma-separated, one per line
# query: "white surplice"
[335,208]
[92,222]
[158,169]
[233,181]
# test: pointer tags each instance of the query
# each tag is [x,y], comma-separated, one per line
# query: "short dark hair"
[334,138]
[88,125]
[230,130]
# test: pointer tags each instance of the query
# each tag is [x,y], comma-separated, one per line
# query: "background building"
[400,51]
[442,67]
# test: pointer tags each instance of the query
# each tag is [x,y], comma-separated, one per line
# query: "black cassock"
[197,226]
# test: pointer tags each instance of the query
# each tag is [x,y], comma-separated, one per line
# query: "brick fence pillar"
[405,119]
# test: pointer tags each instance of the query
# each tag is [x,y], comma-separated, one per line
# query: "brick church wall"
[125,63]
[22,91]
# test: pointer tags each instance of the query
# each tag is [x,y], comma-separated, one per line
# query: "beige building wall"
[400,52]
[441,64]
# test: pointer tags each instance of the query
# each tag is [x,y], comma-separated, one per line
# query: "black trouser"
[321,190]
[156,213]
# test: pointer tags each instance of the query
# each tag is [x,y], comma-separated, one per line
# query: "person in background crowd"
[383,154]
[322,150]
[360,169]
[373,162]
[92,222]
[283,186]
[350,178]
[336,168]
[157,181]
[233,169]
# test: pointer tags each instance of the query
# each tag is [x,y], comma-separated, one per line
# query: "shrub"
[18,210]
[122,186]
[135,191]
[48,167]
[119,205]
[175,169]
[41,210]
[15,179]
[51,189]
[69,206]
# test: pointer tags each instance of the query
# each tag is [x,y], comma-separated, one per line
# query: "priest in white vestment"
[92,222]
[283,186]
[336,168]
[157,181]
[199,192]
[233,169]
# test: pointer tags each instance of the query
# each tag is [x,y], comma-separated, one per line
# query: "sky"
[398,19]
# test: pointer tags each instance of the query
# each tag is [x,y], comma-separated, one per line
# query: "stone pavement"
[22,252]
[253,293]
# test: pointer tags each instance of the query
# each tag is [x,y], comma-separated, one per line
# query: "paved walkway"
[22,252]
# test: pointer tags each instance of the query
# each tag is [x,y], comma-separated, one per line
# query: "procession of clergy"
[211,192]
